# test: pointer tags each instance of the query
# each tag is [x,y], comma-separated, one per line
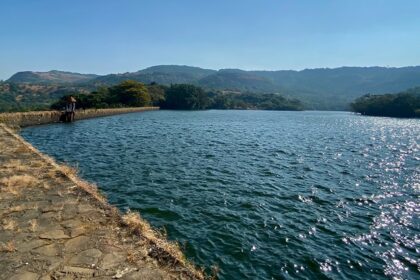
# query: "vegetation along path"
[55,226]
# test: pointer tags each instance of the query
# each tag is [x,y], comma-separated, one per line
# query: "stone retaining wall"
[54,225]
[23,119]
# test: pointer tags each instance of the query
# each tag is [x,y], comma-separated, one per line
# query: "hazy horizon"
[103,37]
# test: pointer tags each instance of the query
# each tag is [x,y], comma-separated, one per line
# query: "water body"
[262,195]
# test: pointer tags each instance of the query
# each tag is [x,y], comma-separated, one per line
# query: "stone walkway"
[55,226]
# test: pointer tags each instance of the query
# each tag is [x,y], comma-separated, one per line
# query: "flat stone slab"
[77,231]
[112,260]
[26,275]
[87,258]
[78,270]
[146,274]
[48,250]
[30,245]
[77,244]
[54,234]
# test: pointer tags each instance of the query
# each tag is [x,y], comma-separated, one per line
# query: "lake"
[261,194]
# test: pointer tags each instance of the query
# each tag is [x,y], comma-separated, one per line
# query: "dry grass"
[18,208]
[37,163]
[15,184]
[21,149]
[9,224]
[71,173]
[68,170]
[132,256]
[33,225]
[137,225]
[163,251]
[60,193]
[46,186]
[20,181]
[54,173]
[92,189]
[15,165]
[8,247]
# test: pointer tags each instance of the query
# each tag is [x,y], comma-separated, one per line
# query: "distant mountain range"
[322,88]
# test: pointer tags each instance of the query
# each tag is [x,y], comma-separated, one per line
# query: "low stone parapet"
[23,119]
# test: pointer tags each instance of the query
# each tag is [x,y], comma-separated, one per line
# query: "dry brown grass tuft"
[21,149]
[137,225]
[33,225]
[54,173]
[69,170]
[15,184]
[131,256]
[8,247]
[37,163]
[19,181]
[163,251]
[46,186]
[9,224]
[91,189]
[18,208]
[14,165]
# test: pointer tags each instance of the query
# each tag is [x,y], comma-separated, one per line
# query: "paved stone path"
[51,228]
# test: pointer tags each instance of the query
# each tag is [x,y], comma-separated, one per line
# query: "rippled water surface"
[262,195]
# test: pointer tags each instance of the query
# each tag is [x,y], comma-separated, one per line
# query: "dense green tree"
[157,93]
[179,97]
[185,97]
[129,93]
[254,101]
[405,104]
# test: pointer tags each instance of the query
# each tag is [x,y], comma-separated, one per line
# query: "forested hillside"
[27,97]
[319,89]
[405,104]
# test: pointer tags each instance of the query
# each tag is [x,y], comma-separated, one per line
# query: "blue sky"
[110,36]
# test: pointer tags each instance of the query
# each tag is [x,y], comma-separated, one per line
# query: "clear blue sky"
[109,36]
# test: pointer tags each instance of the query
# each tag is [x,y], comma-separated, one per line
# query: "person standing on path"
[70,109]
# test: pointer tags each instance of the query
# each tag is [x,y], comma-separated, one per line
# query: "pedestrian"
[70,109]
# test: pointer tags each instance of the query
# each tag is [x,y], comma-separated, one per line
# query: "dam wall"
[23,119]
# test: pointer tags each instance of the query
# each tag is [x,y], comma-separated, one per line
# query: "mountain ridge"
[52,76]
[319,88]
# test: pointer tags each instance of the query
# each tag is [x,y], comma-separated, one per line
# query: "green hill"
[50,77]
[162,74]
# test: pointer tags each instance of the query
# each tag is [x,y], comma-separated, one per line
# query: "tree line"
[404,104]
[177,97]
